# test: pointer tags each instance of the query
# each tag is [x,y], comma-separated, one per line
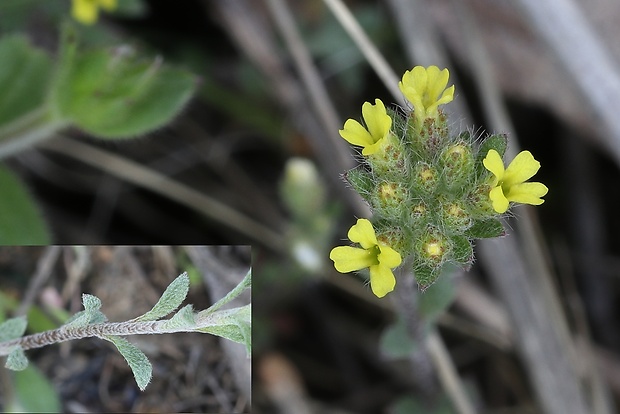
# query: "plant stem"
[406,300]
[101,330]
[29,129]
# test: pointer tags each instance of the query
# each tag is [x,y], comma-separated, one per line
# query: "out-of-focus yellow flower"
[87,11]
[426,89]
[379,258]
[375,136]
[509,184]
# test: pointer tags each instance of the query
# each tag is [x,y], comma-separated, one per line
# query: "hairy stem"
[99,330]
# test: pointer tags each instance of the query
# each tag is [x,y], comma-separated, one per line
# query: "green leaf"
[395,342]
[484,229]
[183,319]
[113,94]
[34,393]
[24,76]
[174,295]
[234,324]
[16,360]
[438,297]
[244,284]
[39,321]
[138,362]
[90,315]
[20,219]
[12,328]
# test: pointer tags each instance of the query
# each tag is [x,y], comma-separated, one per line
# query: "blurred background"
[192,372]
[533,326]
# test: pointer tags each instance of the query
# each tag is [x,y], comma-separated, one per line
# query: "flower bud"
[389,199]
[454,217]
[425,178]
[391,160]
[432,248]
[458,165]
[393,237]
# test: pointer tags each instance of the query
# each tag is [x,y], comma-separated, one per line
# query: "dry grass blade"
[539,341]
[144,177]
[255,39]
[583,54]
[370,51]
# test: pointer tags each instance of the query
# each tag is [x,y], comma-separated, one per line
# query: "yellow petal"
[363,233]
[446,96]
[389,257]
[84,11]
[437,81]
[377,120]
[354,133]
[108,5]
[500,202]
[527,193]
[382,280]
[521,169]
[348,259]
[493,162]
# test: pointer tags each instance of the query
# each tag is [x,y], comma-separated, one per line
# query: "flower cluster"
[431,193]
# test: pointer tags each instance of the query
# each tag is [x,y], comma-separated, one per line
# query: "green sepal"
[498,142]
[485,229]
[137,361]
[425,275]
[462,250]
[112,94]
[16,360]
[21,222]
[361,181]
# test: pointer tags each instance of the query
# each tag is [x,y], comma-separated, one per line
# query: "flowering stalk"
[432,193]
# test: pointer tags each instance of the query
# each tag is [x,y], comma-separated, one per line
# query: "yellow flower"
[509,184]
[87,11]
[378,123]
[426,89]
[379,258]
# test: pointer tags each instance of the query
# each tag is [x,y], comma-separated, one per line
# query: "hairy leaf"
[16,360]
[91,313]
[113,94]
[170,300]
[234,324]
[183,319]
[12,328]
[138,362]
[244,284]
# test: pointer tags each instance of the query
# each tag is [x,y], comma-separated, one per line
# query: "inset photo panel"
[125,329]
